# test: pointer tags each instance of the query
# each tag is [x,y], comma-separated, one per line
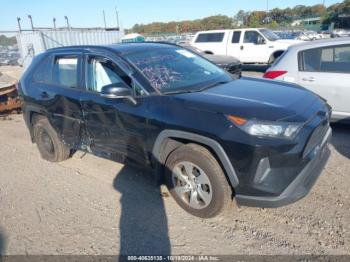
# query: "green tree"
[7,41]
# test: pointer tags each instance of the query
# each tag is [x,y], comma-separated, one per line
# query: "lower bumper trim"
[299,188]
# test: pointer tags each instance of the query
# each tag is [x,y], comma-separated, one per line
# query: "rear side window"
[335,59]
[236,37]
[65,71]
[42,73]
[210,38]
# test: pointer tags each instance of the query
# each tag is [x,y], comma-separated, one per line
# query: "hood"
[254,98]
[289,42]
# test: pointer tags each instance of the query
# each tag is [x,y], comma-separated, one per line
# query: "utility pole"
[19,24]
[267,6]
[67,21]
[31,21]
[54,23]
[104,18]
[117,16]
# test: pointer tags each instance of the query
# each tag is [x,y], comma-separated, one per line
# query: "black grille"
[316,137]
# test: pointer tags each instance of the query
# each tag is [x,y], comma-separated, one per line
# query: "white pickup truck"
[250,45]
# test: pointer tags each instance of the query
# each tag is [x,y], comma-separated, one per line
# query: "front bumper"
[300,186]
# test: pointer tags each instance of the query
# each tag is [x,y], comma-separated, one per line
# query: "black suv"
[209,137]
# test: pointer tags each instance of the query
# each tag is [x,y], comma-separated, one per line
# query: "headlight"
[266,128]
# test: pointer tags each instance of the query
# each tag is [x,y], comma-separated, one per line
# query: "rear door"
[114,126]
[233,44]
[326,71]
[57,82]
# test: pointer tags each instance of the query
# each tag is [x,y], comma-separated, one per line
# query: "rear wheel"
[50,146]
[197,182]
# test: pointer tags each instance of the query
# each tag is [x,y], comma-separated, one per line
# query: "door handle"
[308,79]
[242,47]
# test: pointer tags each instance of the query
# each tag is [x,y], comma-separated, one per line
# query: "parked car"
[299,35]
[322,67]
[249,45]
[208,136]
[340,33]
[229,63]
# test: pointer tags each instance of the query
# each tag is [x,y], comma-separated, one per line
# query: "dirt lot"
[89,205]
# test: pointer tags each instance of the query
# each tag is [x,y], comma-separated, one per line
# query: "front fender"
[212,144]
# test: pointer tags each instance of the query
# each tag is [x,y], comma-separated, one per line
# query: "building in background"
[31,43]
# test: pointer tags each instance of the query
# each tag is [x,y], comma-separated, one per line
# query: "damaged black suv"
[210,138]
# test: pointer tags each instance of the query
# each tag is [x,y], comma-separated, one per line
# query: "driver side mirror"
[118,91]
[260,41]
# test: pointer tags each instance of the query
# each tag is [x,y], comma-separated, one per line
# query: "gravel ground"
[89,205]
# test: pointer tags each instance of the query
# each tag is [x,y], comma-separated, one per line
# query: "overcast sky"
[88,13]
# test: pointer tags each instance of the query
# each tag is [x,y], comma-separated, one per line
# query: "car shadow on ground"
[341,138]
[2,243]
[143,221]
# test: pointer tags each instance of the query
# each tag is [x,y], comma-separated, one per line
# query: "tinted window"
[236,37]
[65,71]
[210,37]
[42,73]
[327,59]
[252,37]
[102,72]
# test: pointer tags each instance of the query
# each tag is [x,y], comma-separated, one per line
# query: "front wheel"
[197,182]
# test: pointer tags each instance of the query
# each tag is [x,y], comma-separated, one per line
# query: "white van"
[250,45]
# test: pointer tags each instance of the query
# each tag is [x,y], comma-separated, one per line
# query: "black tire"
[220,189]
[272,59]
[50,146]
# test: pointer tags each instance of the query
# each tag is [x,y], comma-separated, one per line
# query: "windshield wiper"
[180,92]
[196,90]
[214,85]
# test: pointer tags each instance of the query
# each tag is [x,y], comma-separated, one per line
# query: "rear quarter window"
[43,72]
[210,38]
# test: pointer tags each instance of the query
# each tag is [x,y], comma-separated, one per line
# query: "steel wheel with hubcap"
[196,181]
[192,185]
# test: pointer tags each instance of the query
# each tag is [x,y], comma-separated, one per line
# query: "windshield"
[176,70]
[269,34]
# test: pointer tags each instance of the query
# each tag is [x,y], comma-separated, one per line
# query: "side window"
[210,38]
[335,59]
[102,72]
[65,71]
[252,37]
[236,37]
[42,74]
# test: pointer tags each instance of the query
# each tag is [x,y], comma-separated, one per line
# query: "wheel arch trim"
[212,144]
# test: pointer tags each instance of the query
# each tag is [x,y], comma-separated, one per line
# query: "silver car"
[323,67]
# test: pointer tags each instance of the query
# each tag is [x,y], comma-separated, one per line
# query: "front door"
[254,48]
[114,126]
